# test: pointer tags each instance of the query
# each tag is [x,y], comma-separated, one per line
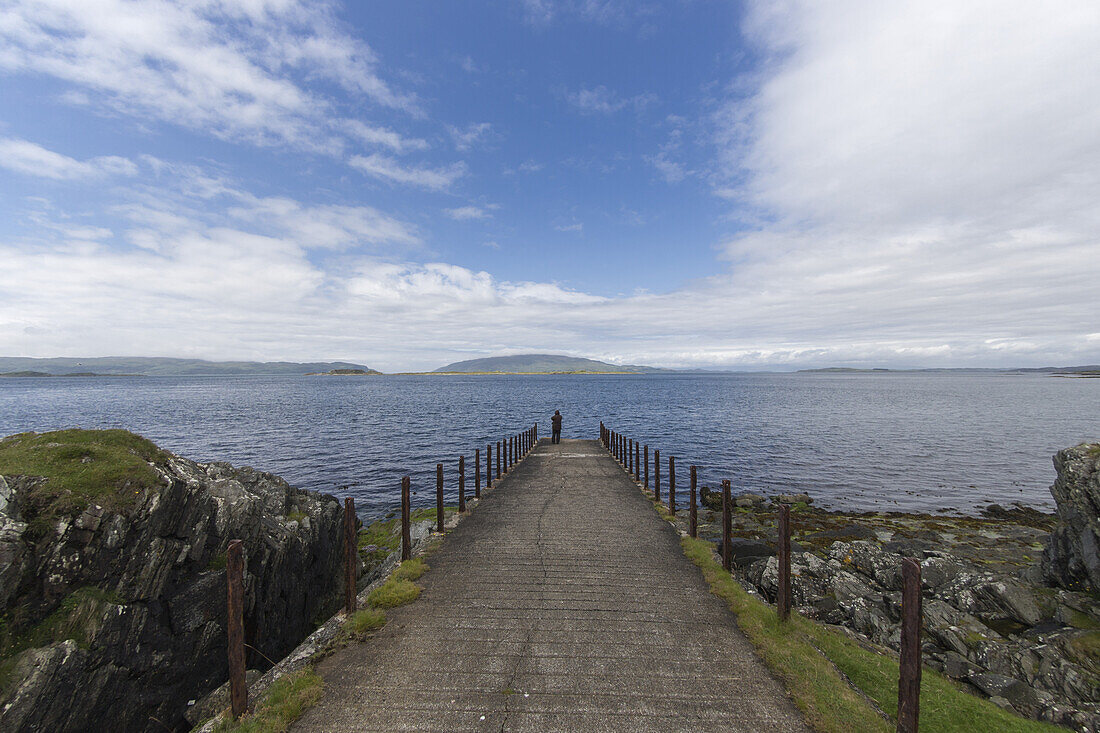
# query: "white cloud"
[388,169]
[466,137]
[671,170]
[603,12]
[330,227]
[23,156]
[230,69]
[927,175]
[466,213]
[381,136]
[604,101]
[924,178]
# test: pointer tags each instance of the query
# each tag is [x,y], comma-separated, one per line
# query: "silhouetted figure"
[555,422]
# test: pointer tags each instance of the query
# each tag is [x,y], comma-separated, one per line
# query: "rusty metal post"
[488,465]
[657,475]
[727,526]
[477,473]
[462,483]
[439,497]
[498,459]
[672,484]
[637,462]
[630,455]
[645,455]
[910,668]
[351,547]
[234,573]
[406,511]
[693,512]
[783,596]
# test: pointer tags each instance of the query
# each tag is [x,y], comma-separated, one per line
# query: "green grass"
[365,621]
[806,656]
[284,703]
[411,569]
[385,534]
[77,618]
[81,467]
[393,593]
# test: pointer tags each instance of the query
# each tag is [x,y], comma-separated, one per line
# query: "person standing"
[555,423]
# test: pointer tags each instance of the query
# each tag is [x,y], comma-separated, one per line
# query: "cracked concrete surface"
[564,603]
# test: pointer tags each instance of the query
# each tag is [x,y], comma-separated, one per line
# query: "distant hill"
[542,363]
[1087,369]
[164,367]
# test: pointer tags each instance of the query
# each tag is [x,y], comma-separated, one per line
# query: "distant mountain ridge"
[166,367]
[543,363]
[1031,370]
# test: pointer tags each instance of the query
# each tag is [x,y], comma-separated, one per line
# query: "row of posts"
[509,452]
[634,458]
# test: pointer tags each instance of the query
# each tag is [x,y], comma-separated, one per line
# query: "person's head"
[556,412]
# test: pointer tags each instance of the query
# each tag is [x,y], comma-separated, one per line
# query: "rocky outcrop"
[1071,558]
[1014,641]
[140,594]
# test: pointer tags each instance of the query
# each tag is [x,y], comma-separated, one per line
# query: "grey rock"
[793,499]
[1071,558]
[1012,690]
[159,641]
[870,560]
[745,552]
[957,666]
[748,500]
[218,700]
[847,532]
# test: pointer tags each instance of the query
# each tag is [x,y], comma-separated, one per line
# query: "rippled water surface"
[888,441]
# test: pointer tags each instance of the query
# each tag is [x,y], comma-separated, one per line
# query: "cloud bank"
[913,183]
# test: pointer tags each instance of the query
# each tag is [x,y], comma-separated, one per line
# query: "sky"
[689,184]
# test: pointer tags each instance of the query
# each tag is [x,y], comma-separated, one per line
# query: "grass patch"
[296,517]
[803,654]
[411,569]
[385,534]
[1086,648]
[662,512]
[365,621]
[394,593]
[80,467]
[77,617]
[284,703]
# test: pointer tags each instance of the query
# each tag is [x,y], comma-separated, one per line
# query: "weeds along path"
[563,603]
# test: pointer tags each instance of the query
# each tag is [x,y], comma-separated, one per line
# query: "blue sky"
[692,183]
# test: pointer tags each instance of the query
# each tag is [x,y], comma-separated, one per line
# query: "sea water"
[874,441]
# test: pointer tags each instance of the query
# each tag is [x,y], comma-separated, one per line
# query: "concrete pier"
[562,603]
